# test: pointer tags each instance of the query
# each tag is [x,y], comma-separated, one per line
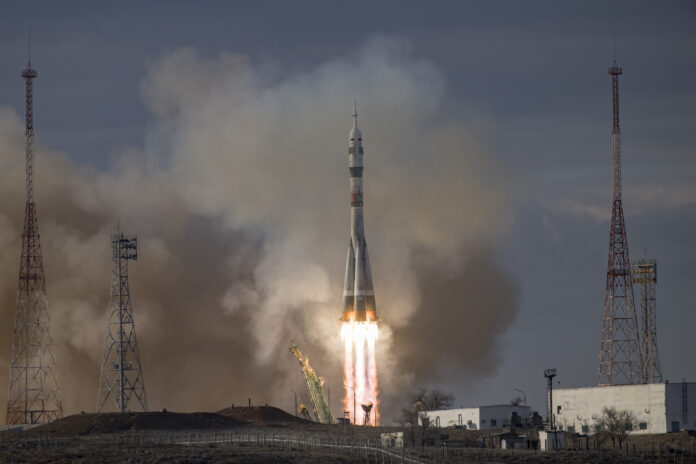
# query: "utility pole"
[295,394]
[551,423]
[550,374]
[354,403]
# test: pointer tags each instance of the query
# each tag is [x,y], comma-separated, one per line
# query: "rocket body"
[358,292]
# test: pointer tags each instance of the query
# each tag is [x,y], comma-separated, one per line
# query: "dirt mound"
[261,414]
[87,424]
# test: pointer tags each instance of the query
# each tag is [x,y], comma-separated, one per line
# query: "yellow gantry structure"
[315,387]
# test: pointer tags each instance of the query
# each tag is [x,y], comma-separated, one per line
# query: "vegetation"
[425,400]
[616,423]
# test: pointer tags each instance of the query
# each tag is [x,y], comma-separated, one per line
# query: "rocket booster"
[358,292]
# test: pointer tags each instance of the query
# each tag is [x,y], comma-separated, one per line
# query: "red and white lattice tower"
[34,396]
[619,355]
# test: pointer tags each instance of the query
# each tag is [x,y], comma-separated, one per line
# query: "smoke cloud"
[239,196]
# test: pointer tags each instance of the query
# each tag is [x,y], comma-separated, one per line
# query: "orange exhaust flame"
[360,368]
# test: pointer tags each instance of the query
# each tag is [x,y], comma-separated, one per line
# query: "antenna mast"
[121,372]
[620,360]
[644,273]
[34,396]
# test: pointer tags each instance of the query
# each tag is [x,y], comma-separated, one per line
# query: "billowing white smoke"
[240,198]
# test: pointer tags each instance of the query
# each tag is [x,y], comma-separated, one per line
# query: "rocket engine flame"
[360,368]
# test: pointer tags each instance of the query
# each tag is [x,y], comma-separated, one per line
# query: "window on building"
[643,426]
[494,422]
[628,426]
[437,421]
[571,429]
[558,410]
[460,421]
[585,429]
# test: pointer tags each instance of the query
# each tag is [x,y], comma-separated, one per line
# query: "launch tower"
[34,396]
[315,388]
[619,356]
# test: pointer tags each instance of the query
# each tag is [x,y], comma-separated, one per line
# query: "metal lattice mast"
[34,396]
[619,356]
[644,273]
[121,375]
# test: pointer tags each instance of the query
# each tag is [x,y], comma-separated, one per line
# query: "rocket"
[358,292]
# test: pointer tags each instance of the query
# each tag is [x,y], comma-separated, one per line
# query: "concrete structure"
[481,418]
[551,440]
[657,407]
[510,440]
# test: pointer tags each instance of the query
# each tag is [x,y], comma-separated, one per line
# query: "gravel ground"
[162,454]
[241,433]
[109,452]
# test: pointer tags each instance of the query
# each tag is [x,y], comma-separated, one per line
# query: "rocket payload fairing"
[358,292]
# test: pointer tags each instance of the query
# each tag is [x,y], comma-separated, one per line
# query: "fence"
[362,448]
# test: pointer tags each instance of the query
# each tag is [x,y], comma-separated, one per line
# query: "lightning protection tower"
[34,396]
[619,355]
[644,273]
[121,373]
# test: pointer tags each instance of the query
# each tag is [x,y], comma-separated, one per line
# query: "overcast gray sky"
[529,79]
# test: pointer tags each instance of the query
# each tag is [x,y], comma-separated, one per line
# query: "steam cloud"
[240,201]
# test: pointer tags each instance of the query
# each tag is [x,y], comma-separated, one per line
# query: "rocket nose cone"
[355,134]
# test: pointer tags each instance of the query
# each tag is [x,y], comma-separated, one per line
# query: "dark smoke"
[461,315]
[239,199]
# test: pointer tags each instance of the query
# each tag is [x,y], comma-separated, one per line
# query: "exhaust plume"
[238,196]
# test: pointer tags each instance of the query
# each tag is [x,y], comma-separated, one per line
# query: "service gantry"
[34,396]
[315,388]
[619,355]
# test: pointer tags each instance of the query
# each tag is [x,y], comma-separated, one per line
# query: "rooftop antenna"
[355,111]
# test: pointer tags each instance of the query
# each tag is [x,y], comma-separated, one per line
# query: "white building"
[550,440]
[481,418]
[657,407]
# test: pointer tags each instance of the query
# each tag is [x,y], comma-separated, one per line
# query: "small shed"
[551,440]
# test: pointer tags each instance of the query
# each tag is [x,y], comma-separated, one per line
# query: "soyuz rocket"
[358,292]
